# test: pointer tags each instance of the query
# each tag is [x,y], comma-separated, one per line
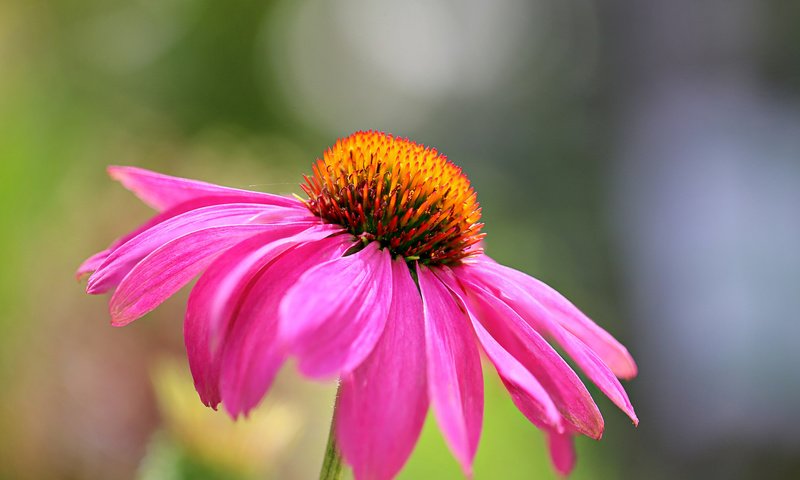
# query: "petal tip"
[466,467]
[627,369]
[120,317]
[563,472]
[631,373]
[233,410]
[117,171]
[94,285]
[595,432]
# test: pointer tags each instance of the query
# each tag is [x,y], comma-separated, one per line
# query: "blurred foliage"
[196,442]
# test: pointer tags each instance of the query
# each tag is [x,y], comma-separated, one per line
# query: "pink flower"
[378,278]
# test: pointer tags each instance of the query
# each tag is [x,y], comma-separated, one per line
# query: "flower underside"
[391,190]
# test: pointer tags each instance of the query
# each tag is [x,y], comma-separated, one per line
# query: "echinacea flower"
[378,278]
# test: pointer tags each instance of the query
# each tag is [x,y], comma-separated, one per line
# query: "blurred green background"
[642,157]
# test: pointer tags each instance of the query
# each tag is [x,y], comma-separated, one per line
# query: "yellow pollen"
[406,196]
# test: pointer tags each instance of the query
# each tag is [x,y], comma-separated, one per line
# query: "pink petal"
[562,451]
[124,258]
[526,392]
[596,370]
[203,361]
[95,261]
[173,265]
[334,314]
[92,263]
[527,346]
[382,404]
[455,381]
[570,317]
[162,191]
[252,354]
[541,319]
[245,266]
[212,303]
[198,334]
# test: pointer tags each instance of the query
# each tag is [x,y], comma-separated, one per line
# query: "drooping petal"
[252,353]
[382,403]
[613,353]
[204,362]
[597,371]
[245,267]
[526,392]
[455,381]
[198,333]
[161,191]
[334,314]
[528,346]
[95,261]
[219,294]
[171,266]
[126,256]
[541,319]
[562,451]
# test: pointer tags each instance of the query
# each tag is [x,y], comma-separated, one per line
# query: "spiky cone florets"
[406,196]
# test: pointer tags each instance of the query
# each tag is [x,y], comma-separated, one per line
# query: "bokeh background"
[641,156]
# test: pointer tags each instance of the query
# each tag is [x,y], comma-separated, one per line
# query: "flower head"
[405,196]
[378,278]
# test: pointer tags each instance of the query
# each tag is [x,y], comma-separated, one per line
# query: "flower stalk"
[332,466]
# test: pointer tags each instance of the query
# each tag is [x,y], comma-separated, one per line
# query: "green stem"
[332,467]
